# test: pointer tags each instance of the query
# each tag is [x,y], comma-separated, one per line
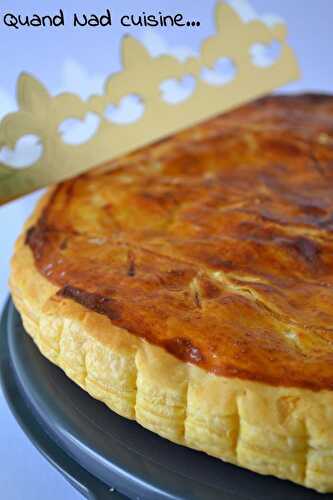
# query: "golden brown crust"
[246,280]
[214,244]
[282,431]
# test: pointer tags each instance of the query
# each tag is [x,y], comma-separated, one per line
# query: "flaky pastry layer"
[286,432]
[189,287]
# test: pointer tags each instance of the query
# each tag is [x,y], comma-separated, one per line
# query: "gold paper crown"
[41,114]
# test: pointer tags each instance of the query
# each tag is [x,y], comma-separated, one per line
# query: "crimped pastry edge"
[283,431]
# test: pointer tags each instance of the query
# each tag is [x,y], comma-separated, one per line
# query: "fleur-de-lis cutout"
[63,154]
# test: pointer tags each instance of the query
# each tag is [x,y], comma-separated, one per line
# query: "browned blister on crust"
[208,256]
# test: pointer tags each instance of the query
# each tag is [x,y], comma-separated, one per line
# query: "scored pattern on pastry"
[190,287]
[225,229]
[255,426]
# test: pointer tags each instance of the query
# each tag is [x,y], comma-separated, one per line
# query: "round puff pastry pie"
[189,286]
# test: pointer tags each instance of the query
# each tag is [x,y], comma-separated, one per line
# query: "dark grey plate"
[97,449]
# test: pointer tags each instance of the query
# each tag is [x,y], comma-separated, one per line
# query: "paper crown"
[42,115]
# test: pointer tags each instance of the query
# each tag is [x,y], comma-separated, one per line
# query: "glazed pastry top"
[215,244]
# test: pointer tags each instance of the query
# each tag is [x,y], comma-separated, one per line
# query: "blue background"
[78,60]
